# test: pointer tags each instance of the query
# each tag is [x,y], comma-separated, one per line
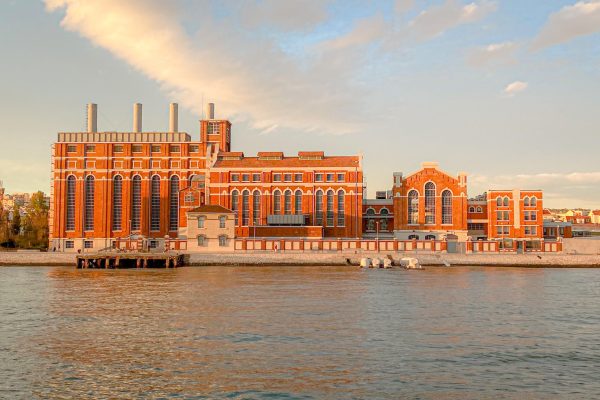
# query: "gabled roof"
[216,209]
[289,162]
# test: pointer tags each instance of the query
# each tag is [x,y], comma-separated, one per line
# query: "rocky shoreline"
[540,260]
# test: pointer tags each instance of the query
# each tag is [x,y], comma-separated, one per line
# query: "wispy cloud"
[440,18]
[516,87]
[579,19]
[249,76]
[493,54]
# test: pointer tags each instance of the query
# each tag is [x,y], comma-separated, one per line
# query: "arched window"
[430,203]
[89,203]
[413,207]
[245,207]
[384,211]
[479,209]
[505,201]
[155,203]
[371,225]
[277,202]
[256,207]
[136,203]
[526,201]
[383,225]
[370,211]
[413,237]
[446,207]
[330,207]
[429,237]
[298,201]
[533,202]
[235,199]
[319,208]
[174,203]
[71,185]
[471,209]
[498,201]
[341,212]
[287,202]
[117,203]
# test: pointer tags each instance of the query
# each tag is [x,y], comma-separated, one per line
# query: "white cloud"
[365,31]
[287,15]
[403,6]
[579,19]
[438,19]
[493,54]
[516,87]
[248,76]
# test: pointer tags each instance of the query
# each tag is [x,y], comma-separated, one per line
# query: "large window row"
[430,206]
[118,202]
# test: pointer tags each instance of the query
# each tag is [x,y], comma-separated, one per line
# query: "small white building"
[210,228]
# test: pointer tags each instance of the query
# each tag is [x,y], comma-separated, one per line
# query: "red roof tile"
[211,209]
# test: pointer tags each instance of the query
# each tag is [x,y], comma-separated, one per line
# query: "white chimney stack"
[137,117]
[210,111]
[92,118]
[173,118]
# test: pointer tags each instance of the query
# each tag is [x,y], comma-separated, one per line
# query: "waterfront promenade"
[329,259]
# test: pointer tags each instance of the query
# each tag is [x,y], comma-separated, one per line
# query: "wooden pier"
[107,260]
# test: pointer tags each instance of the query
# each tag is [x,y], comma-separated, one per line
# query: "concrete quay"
[542,260]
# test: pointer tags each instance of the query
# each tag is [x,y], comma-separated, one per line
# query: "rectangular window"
[71,148]
[88,244]
[222,241]
[153,244]
[502,215]
[175,148]
[502,230]
[155,149]
[297,177]
[329,177]
[189,197]
[118,148]
[201,222]
[69,244]
[276,177]
[533,215]
[222,221]
[287,177]
[341,177]
[194,148]
[201,241]
[235,177]
[136,148]
[90,148]
[318,177]
[255,177]
[213,128]
[245,177]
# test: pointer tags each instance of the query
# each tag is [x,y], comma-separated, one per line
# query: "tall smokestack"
[137,117]
[173,122]
[92,118]
[210,111]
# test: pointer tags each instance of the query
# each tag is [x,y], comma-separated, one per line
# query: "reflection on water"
[299,333]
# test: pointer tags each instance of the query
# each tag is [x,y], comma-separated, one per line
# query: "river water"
[300,333]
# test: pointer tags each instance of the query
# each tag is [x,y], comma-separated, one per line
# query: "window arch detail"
[430,203]
[71,187]
[88,222]
[174,203]
[446,207]
[136,203]
[117,203]
[413,207]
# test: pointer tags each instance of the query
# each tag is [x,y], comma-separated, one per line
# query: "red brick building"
[108,186]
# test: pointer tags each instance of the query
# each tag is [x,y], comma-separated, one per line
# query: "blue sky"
[507,91]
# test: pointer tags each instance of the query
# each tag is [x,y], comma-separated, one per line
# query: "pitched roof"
[211,209]
[290,162]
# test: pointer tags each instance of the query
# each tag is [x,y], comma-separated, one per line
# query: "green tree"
[4,236]
[35,223]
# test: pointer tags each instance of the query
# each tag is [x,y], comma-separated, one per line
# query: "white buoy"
[387,263]
[365,262]
[410,263]
[376,262]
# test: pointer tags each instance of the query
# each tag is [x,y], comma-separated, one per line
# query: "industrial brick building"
[143,190]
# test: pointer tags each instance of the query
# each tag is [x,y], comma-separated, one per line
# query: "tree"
[15,224]
[3,226]
[35,224]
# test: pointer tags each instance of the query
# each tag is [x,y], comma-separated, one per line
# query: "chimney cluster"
[92,117]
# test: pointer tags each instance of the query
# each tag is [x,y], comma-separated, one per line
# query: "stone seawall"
[334,258]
